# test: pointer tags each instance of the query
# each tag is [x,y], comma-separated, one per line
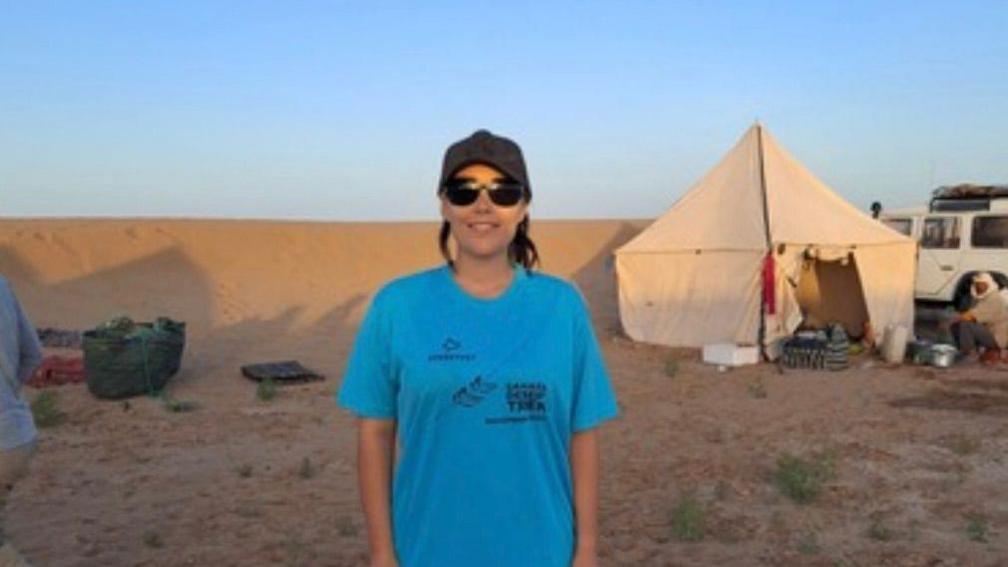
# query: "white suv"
[962,231]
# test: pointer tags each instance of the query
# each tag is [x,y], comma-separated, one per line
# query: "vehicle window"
[904,226]
[940,232]
[990,232]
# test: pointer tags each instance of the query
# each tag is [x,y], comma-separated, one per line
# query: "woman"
[490,378]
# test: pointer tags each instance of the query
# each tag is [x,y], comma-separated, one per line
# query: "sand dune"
[250,289]
[214,273]
[917,452]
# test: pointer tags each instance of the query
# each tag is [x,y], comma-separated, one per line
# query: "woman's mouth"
[482,226]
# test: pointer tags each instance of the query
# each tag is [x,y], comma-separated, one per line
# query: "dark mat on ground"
[59,338]
[282,371]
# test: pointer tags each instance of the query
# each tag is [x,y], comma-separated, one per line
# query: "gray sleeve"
[29,346]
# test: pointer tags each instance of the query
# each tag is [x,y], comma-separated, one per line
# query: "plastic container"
[729,354]
[894,343]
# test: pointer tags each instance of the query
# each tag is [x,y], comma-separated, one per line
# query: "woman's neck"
[481,277]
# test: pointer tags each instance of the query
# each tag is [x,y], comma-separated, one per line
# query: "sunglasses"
[463,192]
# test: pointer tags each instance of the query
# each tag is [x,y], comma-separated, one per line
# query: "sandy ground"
[918,455]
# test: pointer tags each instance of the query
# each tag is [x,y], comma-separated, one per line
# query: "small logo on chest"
[450,352]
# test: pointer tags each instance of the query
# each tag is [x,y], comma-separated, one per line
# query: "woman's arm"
[375,457]
[584,460]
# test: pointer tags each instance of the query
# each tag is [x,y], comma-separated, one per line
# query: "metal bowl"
[919,351]
[943,356]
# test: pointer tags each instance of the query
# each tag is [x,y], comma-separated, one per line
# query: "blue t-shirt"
[486,394]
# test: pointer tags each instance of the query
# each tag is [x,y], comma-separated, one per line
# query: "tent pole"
[769,244]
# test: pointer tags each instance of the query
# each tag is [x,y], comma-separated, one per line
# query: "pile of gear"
[817,350]
[124,358]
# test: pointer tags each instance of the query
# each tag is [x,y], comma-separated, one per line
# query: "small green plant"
[244,470]
[808,544]
[757,390]
[878,531]
[298,552]
[722,490]
[45,410]
[914,534]
[345,527]
[152,539]
[307,469]
[963,445]
[179,406]
[671,367]
[248,511]
[266,390]
[801,479]
[977,529]
[688,519]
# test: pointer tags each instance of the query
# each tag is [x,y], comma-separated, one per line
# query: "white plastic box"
[729,354]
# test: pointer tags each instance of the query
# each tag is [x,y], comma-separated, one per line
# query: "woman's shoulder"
[549,281]
[555,287]
[408,285]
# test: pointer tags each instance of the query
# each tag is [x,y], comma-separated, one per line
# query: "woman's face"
[482,229]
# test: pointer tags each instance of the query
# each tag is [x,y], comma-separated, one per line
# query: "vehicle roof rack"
[959,205]
[965,197]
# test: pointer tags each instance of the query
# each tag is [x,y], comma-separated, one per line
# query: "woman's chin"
[484,251]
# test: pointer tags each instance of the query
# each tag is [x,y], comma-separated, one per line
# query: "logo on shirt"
[473,393]
[526,401]
[450,348]
[526,397]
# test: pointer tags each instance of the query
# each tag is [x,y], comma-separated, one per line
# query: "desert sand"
[918,455]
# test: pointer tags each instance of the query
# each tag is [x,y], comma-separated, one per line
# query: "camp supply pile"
[123,358]
[817,350]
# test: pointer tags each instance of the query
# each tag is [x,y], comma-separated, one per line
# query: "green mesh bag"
[123,358]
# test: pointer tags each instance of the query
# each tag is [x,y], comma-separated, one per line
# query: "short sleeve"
[370,386]
[594,401]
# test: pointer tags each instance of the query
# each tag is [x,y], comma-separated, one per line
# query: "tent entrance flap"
[831,292]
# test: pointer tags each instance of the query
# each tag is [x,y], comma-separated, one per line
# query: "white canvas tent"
[696,275]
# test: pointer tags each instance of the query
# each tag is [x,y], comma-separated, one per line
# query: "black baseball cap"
[489,149]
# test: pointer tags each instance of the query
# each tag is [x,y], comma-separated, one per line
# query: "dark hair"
[521,250]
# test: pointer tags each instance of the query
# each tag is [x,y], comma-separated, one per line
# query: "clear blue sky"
[341,110]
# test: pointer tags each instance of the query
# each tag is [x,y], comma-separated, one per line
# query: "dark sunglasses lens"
[461,196]
[506,196]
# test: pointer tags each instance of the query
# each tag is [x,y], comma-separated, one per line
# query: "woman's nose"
[483,202]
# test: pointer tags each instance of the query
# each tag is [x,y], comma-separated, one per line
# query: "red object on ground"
[769,290]
[58,370]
